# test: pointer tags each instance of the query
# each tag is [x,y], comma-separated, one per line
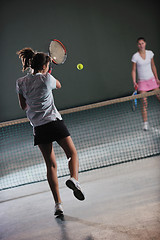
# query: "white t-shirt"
[144,69]
[37,90]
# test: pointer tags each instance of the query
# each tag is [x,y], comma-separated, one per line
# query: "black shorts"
[50,132]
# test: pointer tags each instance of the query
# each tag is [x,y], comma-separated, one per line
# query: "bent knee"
[51,164]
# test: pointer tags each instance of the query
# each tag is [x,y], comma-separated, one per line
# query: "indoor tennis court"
[119,161]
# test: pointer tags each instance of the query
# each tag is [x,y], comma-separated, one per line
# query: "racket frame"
[65,56]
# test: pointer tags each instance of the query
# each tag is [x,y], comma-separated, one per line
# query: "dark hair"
[32,59]
[141,38]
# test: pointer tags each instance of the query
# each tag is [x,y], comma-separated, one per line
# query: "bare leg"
[71,153]
[145,105]
[49,156]
[144,108]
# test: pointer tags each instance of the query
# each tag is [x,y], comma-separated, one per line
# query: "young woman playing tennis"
[36,98]
[147,74]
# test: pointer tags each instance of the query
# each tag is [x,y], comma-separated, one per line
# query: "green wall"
[100,34]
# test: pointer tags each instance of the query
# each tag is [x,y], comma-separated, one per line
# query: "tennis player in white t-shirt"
[147,79]
[35,97]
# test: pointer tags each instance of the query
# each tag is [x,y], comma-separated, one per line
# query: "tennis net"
[104,133]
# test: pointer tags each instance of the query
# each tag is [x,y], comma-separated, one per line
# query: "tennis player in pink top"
[147,78]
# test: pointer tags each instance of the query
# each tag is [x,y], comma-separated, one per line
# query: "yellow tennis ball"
[79,66]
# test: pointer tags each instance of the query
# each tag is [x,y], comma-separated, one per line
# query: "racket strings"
[57,52]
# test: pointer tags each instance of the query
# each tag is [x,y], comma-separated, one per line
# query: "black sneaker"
[73,184]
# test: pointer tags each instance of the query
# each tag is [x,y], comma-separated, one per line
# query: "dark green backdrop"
[100,34]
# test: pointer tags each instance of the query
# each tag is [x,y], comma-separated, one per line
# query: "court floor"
[122,203]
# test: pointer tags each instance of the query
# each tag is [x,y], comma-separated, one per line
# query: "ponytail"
[34,60]
[26,55]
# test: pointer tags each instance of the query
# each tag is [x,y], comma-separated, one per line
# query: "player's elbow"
[58,84]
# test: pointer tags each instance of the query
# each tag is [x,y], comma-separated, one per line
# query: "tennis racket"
[134,101]
[57,52]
